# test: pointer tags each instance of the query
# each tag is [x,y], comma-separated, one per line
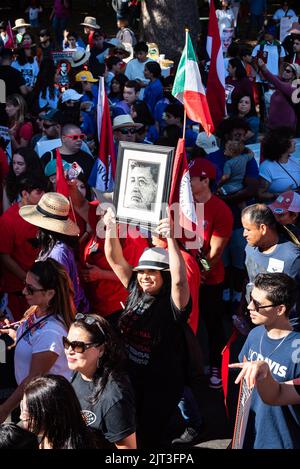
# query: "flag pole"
[186,48]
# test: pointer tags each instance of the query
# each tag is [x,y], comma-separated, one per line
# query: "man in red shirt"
[17,253]
[217,228]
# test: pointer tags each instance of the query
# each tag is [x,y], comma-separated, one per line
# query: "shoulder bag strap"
[297,185]
[32,326]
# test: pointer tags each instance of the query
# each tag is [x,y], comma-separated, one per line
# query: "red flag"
[103,173]
[181,197]
[225,363]
[215,90]
[10,43]
[61,183]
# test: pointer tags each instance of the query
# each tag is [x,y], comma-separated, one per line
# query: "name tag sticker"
[275,265]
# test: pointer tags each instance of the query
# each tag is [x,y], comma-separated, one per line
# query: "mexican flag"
[189,90]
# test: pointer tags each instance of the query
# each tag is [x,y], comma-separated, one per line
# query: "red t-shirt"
[15,232]
[194,278]
[105,296]
[218,221]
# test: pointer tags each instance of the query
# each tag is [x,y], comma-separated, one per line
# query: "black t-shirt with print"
[114,413]
[153,335]
[85,161]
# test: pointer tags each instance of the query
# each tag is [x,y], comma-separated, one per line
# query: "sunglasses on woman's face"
[78,346]
[76,137]
[31,290]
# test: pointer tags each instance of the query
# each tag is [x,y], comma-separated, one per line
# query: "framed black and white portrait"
[142,184]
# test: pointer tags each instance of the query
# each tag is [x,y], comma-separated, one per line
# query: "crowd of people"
[103,322]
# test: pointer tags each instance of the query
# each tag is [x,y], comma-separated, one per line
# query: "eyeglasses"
[31,290]
[90,321]
[45,125]
[76,137]
[128,131]
[258,306]
[78,346]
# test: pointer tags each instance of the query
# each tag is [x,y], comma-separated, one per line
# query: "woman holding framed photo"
[151,327]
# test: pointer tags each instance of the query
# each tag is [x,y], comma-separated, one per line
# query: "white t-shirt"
[272,58]
[279,179]
[47,336]
[29,71]
[280,13]
[135,71]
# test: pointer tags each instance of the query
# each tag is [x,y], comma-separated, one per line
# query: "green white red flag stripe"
[189,90]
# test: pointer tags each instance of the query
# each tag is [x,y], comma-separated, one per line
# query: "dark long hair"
[47,240]
[277,142]
[55,413]
[52,275]
[45,79]
[111,364]
[240,71]
[33,166]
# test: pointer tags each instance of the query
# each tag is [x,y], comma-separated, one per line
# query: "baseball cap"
[201,167]
[54,115]
[208,143]
[286,202]
[85,75]
[69,95]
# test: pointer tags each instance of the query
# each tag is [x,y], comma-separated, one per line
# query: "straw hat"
[90,22]
[153,258]
[20,23]
[125,120]
[51,213]
[80,57]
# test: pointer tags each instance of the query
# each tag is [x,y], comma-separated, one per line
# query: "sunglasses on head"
[128,131]
[76,137]
[31,290]
[90,321]
[78,346]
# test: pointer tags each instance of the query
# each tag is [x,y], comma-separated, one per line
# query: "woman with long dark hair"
[244,107]
[25,161]
[26,61]
[151,327]
[45,91]
[103,389]
[236,83]
[50,409]
[38,339]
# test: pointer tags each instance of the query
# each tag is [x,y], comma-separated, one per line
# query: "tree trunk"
[164,22]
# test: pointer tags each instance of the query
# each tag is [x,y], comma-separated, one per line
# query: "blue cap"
[271,29]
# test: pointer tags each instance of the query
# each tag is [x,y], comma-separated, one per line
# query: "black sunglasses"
[258,306]
[78,346]
[128,131]
[90,321]
[47,126]
[31,290]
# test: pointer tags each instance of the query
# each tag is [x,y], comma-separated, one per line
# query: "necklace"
[277,346]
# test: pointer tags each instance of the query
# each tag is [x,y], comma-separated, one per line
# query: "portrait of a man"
[141,185]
